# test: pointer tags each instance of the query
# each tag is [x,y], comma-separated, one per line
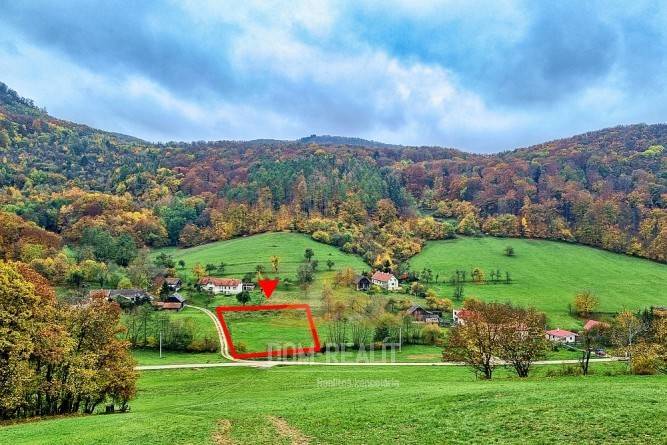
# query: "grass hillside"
[548,274]
[242,254]
[376,405]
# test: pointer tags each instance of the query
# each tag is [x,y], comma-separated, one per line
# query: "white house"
[561,335]
[385,280]
[459,316]
[227,286]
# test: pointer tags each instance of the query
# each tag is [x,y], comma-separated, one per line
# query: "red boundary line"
[220,310]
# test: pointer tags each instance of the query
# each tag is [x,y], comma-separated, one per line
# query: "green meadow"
[258,331]
[544,274]
[242,255]
[548,274]
[369,405]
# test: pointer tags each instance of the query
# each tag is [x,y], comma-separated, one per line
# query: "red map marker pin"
[268,286]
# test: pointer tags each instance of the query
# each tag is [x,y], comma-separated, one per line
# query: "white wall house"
[561,336]
[459,316]
[226,286]
[385,280]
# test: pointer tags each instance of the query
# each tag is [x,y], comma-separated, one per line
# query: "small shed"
[174,300]
[362,283]
[421,315]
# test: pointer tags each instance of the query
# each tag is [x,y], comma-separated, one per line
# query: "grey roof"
[358,278]
[176,298]
[414,307]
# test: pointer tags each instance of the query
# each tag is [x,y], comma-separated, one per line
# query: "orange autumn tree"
[58,359]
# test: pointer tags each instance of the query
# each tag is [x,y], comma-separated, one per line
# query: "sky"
[482,76]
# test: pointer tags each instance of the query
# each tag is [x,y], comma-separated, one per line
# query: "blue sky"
[477,75]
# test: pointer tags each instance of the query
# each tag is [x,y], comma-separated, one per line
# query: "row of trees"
[144,326]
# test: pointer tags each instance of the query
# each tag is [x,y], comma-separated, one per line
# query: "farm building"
[173,283]
[173,302]
[227,286]
[362,283]
[385,280]
[175,298]
[421,315]
[561,336]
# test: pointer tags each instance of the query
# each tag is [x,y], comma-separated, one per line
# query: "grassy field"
[276,330]
[152,357]
[375,405]
[243,254]
[548,274]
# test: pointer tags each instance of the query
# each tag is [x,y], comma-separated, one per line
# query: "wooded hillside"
[606,188]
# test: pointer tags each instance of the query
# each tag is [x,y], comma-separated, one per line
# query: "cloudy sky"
[477,75]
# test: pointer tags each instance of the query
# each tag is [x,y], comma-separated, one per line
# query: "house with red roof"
[561,336]
[459,316]
[227,286]
[385,280]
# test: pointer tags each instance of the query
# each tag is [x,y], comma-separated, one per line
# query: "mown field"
[548,274]
[243,254]
[372,405]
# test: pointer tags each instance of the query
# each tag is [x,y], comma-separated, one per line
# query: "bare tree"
[625,330]
[591,339]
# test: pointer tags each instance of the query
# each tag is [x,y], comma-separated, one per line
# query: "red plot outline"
[220,310]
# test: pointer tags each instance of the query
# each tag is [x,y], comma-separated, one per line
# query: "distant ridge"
[343,140]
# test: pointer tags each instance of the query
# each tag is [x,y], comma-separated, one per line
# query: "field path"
[224,348]
[270,364]
[288,432]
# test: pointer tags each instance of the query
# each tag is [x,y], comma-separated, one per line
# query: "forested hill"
[606,188]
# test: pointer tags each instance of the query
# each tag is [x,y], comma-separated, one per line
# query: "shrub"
[431,334]
[322,237]
[645,360]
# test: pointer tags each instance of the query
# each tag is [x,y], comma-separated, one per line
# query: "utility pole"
[162,319]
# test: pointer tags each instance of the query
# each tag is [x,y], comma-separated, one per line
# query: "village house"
[385,280]
[227,286]
[362,283]
[123,296]
[173,283]
[459,316]
[421,315]
[561,336]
